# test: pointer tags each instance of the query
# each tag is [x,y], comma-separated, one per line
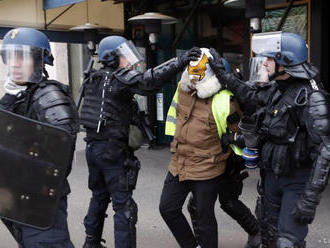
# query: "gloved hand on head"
[191,55]
[199,76]
[217,65]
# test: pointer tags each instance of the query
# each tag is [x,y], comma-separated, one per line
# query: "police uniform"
[46,101]
[106,114]
[294,130]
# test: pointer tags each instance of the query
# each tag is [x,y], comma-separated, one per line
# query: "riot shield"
[35,159]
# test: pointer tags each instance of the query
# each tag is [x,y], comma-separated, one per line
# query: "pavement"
[151,229]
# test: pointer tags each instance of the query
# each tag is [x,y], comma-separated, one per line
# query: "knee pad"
[130,211]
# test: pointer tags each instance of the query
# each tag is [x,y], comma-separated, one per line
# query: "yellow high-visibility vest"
[220,110]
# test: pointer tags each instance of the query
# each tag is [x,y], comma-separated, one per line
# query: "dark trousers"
[56,237]
[104,183]
[172,199]
[282,193]
[229,193]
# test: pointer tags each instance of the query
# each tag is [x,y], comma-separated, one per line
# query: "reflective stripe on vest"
[220,110]
[170,124]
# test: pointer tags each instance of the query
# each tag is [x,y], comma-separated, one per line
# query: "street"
[151,229]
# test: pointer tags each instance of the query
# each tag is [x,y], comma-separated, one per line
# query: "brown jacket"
[196,148]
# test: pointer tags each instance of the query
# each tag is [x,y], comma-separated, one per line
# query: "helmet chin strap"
[276,73]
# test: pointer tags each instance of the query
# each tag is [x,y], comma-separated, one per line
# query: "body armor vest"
[39,102]
[106,111]
[49,102]
[286,142]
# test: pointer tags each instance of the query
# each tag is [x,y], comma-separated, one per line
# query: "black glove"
[304,211]
[216,64]
[191,55]
[227,80]
[226,140]
[238,74]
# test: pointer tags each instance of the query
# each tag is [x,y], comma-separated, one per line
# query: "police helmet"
[112,47]
[287,49]
[107,45]
[32,38]
[24,53]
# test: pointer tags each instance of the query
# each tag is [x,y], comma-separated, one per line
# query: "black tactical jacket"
[281,114]
[107,108]
[48,102]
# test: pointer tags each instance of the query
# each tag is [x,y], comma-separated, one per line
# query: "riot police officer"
[106,115]
[294,144]
[29,93]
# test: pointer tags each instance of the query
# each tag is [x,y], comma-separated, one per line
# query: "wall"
[60,70]
[30,13]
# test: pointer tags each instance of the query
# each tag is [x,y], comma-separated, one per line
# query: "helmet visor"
[266,43]
[128,54]
[21,64]
[258,71]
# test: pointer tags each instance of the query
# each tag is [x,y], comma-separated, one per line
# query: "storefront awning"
[49,4]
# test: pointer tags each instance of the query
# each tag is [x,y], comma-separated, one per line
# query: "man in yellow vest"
[232,188]
[197,119]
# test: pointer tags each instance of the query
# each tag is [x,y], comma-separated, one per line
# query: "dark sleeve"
[7,101]
[150,81]
[248,96]
[52,105]
[318,126]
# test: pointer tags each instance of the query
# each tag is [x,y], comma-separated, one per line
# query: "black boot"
[93,242]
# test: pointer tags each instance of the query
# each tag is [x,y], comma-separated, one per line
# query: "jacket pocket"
[281,160]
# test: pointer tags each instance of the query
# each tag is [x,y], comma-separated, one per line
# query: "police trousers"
[281,196]
[104,184]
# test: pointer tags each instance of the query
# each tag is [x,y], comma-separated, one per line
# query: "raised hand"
[191,55]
